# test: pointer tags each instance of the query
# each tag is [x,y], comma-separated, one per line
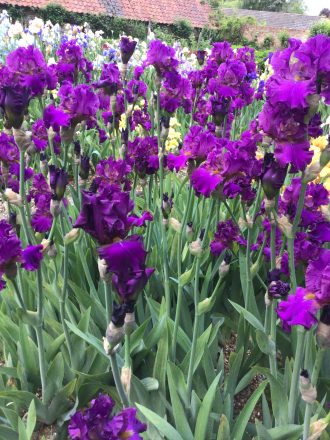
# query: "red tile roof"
[159,11]
[87,6]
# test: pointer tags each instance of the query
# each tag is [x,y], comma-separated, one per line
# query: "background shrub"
[322,27]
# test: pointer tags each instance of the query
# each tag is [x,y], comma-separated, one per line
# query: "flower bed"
[159,205]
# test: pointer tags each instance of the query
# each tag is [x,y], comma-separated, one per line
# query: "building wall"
[264,31]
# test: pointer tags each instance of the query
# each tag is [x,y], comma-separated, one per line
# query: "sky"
[314,6]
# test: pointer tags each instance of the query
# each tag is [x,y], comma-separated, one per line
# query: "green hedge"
[111,26]
[227,28]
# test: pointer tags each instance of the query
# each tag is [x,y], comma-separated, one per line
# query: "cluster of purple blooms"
[11,254]
[98,422]
[219,163]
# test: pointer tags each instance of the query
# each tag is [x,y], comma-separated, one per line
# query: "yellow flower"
[122,122]
[321,142]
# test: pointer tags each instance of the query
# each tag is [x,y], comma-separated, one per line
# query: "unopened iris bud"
[115,332]
[273,176]
[77,148]
[67,134]
[189,231]
[103,270]
[84,167]
[14,102]
[12,197]
[22,138]
[55,207]
[325,157]
[167,205]
[200,55]
[129,322]
[125,378]
[52,251]
[285,226]
[307,390]
[58,179]
[43,164]
[223,268]
[127,47]
[165,124]
[318,427]
[124,136]
[71,236]
[323,328]
[45,243]
[175,224]
[195,248]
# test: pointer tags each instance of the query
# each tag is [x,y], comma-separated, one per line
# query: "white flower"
[15,29]
[36,25]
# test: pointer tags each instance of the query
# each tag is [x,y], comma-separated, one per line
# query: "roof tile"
[197,12]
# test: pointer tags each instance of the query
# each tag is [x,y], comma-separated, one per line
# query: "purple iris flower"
[9,151]
[126,260]
[31,257]
[298,309]
[79,102]
[318,277]
[104,215]
[162,57]
[40,192]
[144,155]
[109,80]
[10,251]
[39,135]
[97,421]
[227,233]
[55,118]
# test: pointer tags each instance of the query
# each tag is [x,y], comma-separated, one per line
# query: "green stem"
[162,226]
[108,300]
[315,375]
[196,301]
[295,375]
[63,302]
[18,294]
[179,271]
[22,194]
[116,378]
[40,339]
[272,357]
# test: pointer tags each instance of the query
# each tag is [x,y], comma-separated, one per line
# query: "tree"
[296,6]
[325,12]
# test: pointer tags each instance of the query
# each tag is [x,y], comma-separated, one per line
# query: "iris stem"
[63,300]
[301,332]
[116,378]
[161,194]
[314,378]
[108,300]
[18,294]
[196,301]
[179,271]
[40,339]
[22,195]
[295,374]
